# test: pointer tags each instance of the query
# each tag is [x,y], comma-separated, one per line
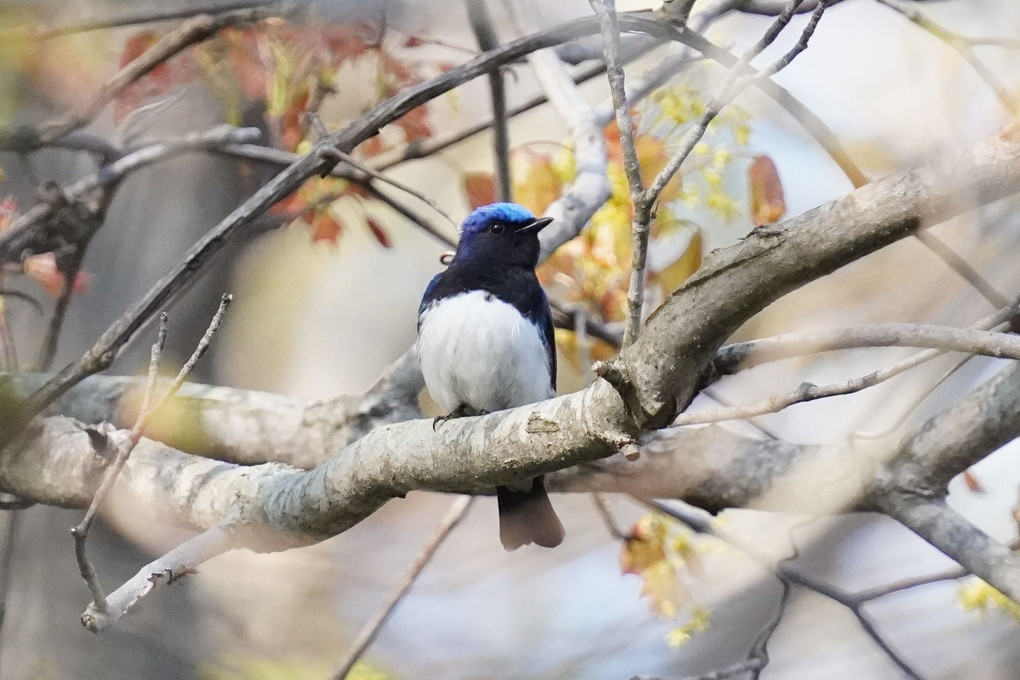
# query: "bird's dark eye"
[497,228]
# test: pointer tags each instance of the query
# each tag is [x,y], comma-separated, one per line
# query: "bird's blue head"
[501,233]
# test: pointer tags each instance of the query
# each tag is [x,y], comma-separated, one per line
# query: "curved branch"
[745,355]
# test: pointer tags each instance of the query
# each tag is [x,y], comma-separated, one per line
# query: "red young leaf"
[380,234]
[479,188]
[156,82]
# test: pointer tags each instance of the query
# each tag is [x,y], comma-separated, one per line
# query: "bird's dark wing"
[545,322]
[429,297]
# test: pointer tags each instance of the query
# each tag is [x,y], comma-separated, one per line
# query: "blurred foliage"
[236,667]
[285,70]
[44,268]
[592,271]
[977,596]
[665,555]
[61,72]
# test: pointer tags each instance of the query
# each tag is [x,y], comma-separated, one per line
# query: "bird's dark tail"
[528,517]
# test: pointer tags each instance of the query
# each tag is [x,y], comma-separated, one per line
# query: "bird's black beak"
[536,226]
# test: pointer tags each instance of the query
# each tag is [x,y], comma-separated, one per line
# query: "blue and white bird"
[485,343]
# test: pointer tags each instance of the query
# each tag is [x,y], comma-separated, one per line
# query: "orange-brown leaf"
[767,202]
[479,188]
[973,483]
[325,228]
[539,186]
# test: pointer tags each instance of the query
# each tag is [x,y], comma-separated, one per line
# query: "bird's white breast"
[479,351]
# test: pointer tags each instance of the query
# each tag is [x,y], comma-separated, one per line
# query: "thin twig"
[169,568]
[123,446]
[743,355]
[753,422]
[371,172]
[606,12]
[148,17]
[25,233]
[48,349]
[739,668]
[410,214]
[788,574]
[368,633]
[607,518]
[12,522]
[962,267]
[727,362]
[909,584]
[81,531]
[962,46]
[193,31]
[485,34]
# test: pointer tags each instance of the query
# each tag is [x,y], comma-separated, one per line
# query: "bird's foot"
[461,411]
[458,412]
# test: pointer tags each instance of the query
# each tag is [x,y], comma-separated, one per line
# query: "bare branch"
[123,446]
[23,235]
[148,17]
[962,45]
[179,562]
[485,34]
[605,10]
[590,188]
[954,535]
[368,633]
[193,31]
[974,341]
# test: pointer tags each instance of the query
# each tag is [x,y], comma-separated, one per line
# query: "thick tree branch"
[590,188]
[953,534]
[738,281]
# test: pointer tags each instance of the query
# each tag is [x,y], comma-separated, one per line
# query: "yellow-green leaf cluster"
[975,595]
[665,555]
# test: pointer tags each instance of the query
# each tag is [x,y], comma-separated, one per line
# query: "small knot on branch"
[630,450]
[625,387]
[330,156]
